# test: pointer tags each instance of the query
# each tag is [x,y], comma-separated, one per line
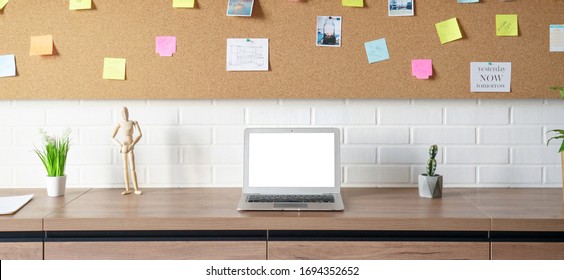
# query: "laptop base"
[244,205]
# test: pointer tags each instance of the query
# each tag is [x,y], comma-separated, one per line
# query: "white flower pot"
[430,186]
[56,185]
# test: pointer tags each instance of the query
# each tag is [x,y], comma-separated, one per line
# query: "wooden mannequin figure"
[126,148]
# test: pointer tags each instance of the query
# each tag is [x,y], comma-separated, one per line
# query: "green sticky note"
[352,3]
[114,68]
[448,30]
[183,3]
[3,3]
[506,25]
[80,4]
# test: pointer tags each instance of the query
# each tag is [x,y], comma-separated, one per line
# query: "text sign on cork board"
[297,68]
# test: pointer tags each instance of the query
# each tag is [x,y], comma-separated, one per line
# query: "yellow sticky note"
[448,30]
[80,4]
[183,3]
[114,68]
[506,25]
[41,45]
[352,3]
[3,3]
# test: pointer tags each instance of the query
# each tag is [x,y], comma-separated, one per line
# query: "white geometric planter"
[430,186]
[56,185]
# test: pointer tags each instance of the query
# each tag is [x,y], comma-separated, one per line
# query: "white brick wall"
[411,115]
[187,143]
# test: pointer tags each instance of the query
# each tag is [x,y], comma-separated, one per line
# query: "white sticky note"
[7,65]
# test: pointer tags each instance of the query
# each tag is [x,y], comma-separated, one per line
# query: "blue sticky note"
[377,50]
[7,65]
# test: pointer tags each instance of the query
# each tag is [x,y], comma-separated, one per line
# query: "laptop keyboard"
[323,198]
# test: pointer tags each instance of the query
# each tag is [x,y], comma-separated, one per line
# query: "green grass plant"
[54,153]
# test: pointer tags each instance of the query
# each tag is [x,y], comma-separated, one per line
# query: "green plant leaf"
[54,154]
[560,89]
[561,131]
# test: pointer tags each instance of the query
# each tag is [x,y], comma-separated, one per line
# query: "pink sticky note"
[422,68]
[166,45]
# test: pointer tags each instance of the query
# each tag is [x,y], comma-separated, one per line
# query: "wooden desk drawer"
[21,250]
[291,250]
[528,250]
[154,250]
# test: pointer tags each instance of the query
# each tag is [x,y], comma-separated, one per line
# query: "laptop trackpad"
[289,205]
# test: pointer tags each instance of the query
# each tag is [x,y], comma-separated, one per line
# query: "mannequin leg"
[125,175]
[133,173]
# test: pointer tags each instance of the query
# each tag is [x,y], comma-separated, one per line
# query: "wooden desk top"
[520,209]
[30,217]
[215,209]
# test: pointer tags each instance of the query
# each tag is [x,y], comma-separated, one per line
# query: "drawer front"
[21,250]
[306,250]
[528,250]
[155,250]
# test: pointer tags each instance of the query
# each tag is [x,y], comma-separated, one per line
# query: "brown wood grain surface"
[527,251]
[157,250]
[537,209]
[21,250]
[317,250]
[215,209]
[30,217]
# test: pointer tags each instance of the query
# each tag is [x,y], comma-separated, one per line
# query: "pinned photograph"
[328,31]
[240,8]
[401,8]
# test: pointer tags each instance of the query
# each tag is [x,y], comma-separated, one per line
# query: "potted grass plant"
[559,134]
[53,155]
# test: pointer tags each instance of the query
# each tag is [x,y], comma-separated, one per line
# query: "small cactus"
[432,162]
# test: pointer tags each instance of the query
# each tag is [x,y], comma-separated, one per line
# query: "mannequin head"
[125,113]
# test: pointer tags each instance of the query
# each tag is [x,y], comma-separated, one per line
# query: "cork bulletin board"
[297,68]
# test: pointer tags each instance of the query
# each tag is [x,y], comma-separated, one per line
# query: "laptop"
[296,169]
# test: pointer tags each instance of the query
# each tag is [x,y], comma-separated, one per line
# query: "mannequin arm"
[116,129]
[136,124]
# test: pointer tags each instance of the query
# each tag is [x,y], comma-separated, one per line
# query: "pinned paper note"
[165,45]
[506,25]
[41,45]
[490,76]
[376,50]
[557,37]
[467,1]
[448,30]
[114,68]
[352,3]
[250,54]
[422,68]
[3,3]
[183,3]
[80,4]
[7,65]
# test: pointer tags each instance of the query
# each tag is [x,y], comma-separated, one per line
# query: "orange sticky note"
[41,45]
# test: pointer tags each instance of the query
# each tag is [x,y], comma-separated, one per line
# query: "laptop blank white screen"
[291,160]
